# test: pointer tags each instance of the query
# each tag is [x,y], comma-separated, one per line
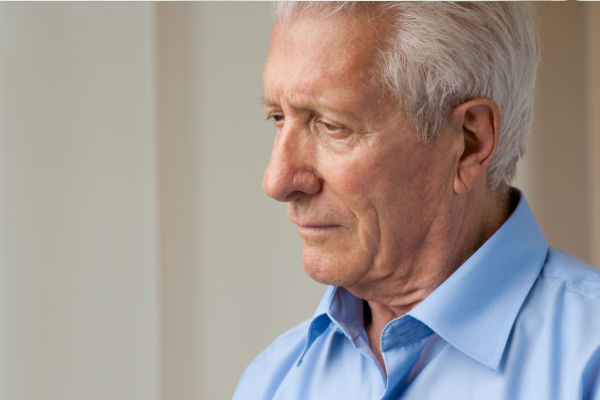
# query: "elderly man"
[398,130]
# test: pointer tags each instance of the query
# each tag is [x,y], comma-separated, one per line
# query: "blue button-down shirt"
[518,320]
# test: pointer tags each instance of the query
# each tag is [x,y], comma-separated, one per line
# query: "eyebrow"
[267,103]
[317,106]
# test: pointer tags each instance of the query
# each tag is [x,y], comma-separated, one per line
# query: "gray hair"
[439,55]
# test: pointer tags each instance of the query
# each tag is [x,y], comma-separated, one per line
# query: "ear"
[478,122]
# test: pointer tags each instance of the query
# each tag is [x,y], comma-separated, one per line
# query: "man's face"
[362,187]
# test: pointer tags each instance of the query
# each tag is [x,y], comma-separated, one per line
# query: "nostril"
[291,196]
[288,184]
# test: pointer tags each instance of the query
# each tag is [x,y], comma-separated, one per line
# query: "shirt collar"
[475,308]
[339,308]
[343,309]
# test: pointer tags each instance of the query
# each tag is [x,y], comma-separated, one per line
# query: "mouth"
[315,229]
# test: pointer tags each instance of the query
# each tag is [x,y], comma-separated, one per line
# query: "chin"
[330,269]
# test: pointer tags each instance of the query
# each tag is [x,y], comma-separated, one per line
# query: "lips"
[313,224]
[316,228]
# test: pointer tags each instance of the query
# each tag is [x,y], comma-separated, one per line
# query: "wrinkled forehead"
[334,36]
[324,60]
[340,41]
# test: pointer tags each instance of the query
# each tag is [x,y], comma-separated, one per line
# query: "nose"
[291,171]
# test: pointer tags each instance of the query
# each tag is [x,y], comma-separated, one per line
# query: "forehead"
[309,49]
[341,35]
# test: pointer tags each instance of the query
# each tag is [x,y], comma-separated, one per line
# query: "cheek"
[356,189]
[386,196]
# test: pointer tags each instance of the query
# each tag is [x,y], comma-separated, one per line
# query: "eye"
[326,128]
[276,118]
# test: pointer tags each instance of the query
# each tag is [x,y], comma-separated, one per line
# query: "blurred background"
[139,258]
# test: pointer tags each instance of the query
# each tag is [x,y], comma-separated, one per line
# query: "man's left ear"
[478,121]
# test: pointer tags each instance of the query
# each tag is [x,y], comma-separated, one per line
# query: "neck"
[472,221]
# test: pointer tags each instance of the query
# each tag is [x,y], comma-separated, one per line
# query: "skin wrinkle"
[394,225]
[404,122]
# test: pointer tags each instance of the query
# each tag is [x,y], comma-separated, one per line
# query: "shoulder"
[567,293]
[559,325]
[262,377]
[575,308]
[563,310]
[572,276]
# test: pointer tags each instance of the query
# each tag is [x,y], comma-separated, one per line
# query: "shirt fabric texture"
[517,321]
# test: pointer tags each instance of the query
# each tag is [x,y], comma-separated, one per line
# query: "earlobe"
[480,126]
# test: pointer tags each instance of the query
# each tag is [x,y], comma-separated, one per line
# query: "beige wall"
[560,173]
[592,139]
[78,209]
[139,258]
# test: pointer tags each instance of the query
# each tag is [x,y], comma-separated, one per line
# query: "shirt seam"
[572,288]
